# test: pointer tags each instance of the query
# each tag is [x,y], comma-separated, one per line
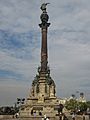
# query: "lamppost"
[20,101]
[77,95]
[60,111]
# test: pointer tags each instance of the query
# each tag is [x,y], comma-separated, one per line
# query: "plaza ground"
[78,117]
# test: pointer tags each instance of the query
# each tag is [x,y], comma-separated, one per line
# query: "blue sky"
[68,47]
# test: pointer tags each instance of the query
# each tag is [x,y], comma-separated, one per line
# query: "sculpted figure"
[43,6]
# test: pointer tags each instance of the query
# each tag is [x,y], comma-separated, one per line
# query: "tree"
[71,104]
[75,106]
[82,106]
[88,104]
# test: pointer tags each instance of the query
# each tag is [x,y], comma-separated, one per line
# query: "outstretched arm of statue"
[43,6]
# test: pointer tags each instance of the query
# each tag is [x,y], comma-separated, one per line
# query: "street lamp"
[20,101]
[60,111]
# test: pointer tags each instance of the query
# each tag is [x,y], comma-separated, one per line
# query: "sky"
[68,47]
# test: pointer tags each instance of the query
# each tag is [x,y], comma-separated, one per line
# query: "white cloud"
[19,16]
[10,90]
[23,67]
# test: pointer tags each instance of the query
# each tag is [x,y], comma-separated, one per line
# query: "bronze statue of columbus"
[43,6]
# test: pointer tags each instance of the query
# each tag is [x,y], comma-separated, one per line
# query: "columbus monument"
[42,96]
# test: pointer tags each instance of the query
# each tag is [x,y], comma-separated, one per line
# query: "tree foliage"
[74,105]
[71,104]
[88,104]
[82,106]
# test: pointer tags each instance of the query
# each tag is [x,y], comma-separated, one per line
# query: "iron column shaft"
[44,27]
[44,53]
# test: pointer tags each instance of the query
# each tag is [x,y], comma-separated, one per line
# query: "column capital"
[44,26]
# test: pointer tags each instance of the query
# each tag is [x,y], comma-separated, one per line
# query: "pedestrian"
[60,116]
[40,113]
[83,116]
[89,116]
[17,115]
[42,118]
[34,113]
[64,117]
[73,116]
[45,117]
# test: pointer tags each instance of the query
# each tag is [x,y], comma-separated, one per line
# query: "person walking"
[45,117]
[73,116]
[83,116]
[89,116]
[60,116]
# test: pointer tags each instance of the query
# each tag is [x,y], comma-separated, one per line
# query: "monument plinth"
[42,95]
